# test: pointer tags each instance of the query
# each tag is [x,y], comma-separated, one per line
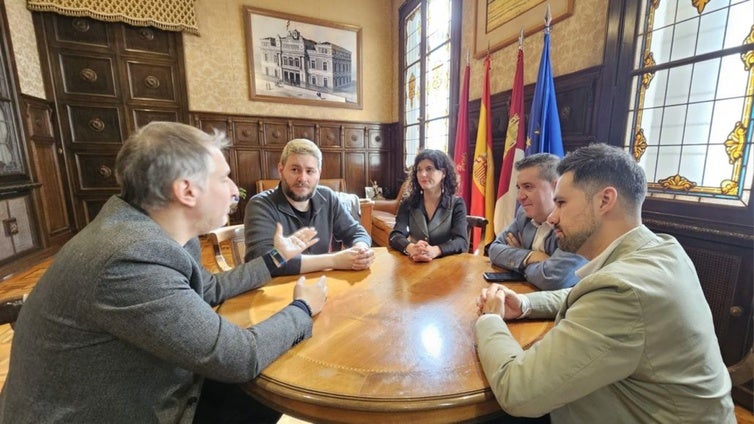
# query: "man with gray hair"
[121,328]
[529,245]
[298,201]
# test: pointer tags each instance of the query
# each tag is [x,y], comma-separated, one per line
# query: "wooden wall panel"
[332,165]
[356,172]
[359,152]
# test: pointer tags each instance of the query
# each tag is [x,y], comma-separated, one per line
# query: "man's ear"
[280,169]
[606,199]
[184,192]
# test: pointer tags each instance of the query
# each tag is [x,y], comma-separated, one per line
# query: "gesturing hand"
[293,245]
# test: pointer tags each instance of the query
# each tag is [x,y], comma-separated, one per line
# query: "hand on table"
[421,251]
[313,295]
[500,300]
[357,257]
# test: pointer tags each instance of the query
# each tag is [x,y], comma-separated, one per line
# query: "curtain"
[169,15]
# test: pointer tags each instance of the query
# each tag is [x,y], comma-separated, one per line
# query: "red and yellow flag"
[483,170]
[515,144]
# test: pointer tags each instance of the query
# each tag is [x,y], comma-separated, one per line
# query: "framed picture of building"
[301,60]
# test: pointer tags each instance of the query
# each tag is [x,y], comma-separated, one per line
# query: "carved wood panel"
[247,133]
[276,133]
[356,172]
[48,166]
[358,152]
[307,131]
[95,124]
[145,39]
[87,75]
[142,117]
[81,31]
[96,171]
[107,78]
[329,136]
[151,81]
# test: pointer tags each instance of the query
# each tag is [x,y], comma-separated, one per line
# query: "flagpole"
[543,128]
[461,155]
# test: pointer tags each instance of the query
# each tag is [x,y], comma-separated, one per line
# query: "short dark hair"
[598,165]
[546,162]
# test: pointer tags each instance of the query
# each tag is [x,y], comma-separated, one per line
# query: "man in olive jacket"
[633,340]
[121,329]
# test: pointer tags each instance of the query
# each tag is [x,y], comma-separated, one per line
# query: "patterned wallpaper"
[216,63]
[216,68]
[25,48]
[577,43]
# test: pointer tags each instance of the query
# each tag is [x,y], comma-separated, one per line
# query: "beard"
[293,196]
[573,242]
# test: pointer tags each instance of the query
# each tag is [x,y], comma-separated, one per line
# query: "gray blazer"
[121,329]
[633,342]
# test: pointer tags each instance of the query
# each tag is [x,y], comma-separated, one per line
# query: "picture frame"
[498,23]
[301,60]
[369,193]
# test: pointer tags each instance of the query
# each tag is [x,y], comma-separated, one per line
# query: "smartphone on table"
[502,276]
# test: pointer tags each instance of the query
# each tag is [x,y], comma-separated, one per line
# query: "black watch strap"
[277,258]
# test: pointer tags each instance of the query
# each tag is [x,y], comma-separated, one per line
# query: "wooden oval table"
[393,343]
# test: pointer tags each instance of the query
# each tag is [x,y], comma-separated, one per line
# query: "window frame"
[615,93]
[454,81]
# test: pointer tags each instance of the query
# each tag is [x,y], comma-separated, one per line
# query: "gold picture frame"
[301,60]
[498,23]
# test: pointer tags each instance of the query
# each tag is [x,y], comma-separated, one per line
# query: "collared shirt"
[543,230]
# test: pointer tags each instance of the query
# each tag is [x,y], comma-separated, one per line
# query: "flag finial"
[521,39]
[548,17]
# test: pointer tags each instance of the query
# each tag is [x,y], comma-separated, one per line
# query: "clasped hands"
[356,257]
[500,300]
[421,251]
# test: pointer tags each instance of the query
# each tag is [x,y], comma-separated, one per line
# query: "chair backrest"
[476,222]
[10,308]
[337,184]
[391,205]
[228,242]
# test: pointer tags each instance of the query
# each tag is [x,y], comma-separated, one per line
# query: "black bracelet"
[300,303]
[277,257]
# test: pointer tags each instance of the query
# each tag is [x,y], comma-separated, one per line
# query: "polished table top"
[394,342]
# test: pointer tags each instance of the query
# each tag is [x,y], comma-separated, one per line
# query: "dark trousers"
[223,403]
[508,419]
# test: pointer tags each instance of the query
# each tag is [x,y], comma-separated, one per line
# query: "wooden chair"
[476,222]
[337,184]
[10,308]
[231,237]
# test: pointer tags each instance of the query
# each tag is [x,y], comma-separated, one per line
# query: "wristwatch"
[277,258]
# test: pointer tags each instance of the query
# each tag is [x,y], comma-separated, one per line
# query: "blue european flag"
[543,132]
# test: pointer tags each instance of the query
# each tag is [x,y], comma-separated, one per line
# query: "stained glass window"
[426,75]
[690,123]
